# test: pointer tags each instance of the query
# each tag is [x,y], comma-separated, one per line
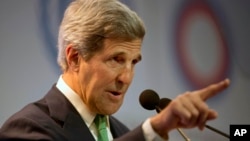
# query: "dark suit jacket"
[54,118]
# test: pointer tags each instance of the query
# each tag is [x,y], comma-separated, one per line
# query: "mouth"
[115,96]
[115,93]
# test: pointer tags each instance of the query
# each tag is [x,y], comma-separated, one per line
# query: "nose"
[126,75]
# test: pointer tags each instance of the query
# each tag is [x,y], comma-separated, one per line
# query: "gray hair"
[87,23]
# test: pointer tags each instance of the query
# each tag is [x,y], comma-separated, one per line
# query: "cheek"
[106,75]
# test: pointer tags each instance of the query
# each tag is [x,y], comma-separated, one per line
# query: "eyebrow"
[139,57]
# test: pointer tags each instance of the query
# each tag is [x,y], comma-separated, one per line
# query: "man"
[99,45]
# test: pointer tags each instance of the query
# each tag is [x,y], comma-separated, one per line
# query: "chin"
[110,109]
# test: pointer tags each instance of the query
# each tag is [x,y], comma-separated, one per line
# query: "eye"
[118,59]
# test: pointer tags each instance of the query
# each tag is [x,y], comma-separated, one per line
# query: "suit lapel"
[61,109]
[117,128]
[76,129]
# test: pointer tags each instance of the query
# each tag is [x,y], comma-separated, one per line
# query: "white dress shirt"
[88,116]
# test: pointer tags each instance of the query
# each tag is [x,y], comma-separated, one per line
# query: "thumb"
[212,115]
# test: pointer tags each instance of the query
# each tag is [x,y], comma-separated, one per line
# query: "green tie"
[100,122]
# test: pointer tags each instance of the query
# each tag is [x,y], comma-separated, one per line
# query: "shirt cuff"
[149,133]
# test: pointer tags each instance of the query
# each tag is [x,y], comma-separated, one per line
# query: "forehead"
[120,44]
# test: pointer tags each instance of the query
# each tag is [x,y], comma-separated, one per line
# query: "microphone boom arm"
[217,131]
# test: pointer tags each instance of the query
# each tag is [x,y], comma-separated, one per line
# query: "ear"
[73,58]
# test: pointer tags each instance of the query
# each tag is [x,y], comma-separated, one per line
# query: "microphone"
[150,100]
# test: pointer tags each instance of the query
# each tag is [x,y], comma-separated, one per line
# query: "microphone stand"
[158,109]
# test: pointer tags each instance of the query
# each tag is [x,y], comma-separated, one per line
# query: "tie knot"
[100,122]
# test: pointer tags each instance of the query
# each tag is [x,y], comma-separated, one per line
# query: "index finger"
[213,89]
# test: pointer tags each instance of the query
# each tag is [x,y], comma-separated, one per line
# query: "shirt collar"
[76,101]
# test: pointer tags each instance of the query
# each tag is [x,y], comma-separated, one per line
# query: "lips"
[115,93]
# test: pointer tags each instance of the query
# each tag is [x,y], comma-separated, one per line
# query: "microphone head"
[164,102]
[149,99]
